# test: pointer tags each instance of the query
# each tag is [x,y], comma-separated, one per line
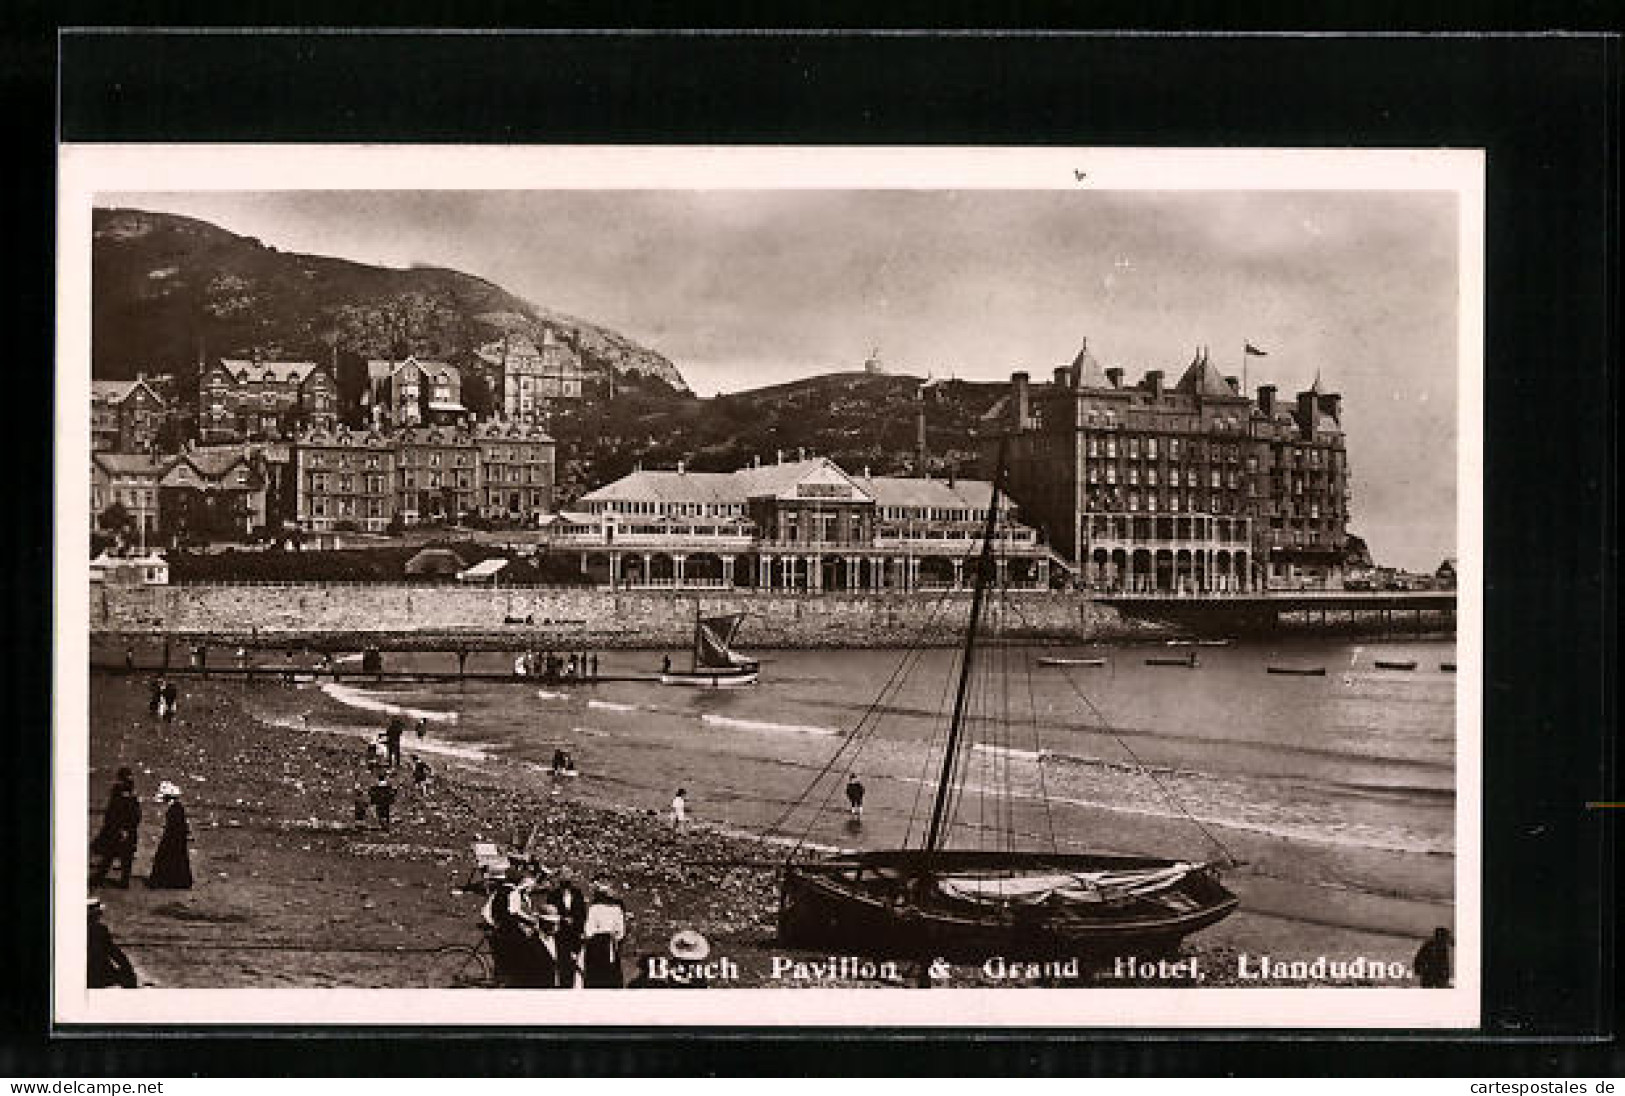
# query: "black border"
[1543,107]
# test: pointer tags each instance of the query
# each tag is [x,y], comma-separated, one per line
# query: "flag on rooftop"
[1255,352]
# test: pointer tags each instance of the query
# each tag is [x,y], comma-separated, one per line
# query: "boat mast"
[984,569]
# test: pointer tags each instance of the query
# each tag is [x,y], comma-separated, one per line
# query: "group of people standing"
[163,699]
[550,666]
[383,757]
[546,934]
[113,849]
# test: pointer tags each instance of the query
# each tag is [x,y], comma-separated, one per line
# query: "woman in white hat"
[604,933]
[172,864]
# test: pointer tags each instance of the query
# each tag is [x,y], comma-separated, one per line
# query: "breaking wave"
[358,698]
[765,725]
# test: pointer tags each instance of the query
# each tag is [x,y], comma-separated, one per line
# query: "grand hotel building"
[1192,487]
[803,524]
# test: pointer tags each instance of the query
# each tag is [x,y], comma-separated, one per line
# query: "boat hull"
[1071,662]
[1293,671]
[711,679]
[862,904]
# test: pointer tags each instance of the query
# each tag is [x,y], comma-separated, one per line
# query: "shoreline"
[291,892]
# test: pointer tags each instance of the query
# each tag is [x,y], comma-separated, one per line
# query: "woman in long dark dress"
[172,863]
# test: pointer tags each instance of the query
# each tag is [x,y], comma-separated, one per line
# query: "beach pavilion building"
[804,524]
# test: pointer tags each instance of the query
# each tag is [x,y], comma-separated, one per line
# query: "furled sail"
[1096,886]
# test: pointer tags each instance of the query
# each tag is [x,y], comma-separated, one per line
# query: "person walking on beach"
[854,795]
[172,700]
[172,863]
[397,728]
[679,809]
[129,657]
[420,775]
[423,728]
[1432,962]
[116,841]
[383,798]
[106,965]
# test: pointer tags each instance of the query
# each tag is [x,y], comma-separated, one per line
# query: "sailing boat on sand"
[715,664]
[935,900]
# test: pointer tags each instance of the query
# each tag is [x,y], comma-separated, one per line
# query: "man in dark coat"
[550,965]
[383,797]
[1432,963]
[571,905]
[172,697]
[397,728]
[105,962]
[116,842]
[854,796]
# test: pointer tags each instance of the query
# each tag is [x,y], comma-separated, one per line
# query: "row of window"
[1173,501]
[1121,526]
[1216,478]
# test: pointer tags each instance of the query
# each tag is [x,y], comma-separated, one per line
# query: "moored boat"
[715,664]
[1056,660]
[1297,671]
[1395,664]
[936,900]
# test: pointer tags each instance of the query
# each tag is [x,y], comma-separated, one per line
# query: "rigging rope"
[1145,770]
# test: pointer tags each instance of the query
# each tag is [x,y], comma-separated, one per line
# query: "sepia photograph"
[1007,586]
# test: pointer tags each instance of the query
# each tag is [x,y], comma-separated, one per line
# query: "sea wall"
[584,617]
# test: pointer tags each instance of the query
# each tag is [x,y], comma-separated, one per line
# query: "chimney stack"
[1266,400]
[1022,405]
[1063,377]
[1306,413]
[1115,375]
[1153,381]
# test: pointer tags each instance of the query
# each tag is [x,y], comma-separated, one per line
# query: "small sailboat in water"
[715,664]
[933,899]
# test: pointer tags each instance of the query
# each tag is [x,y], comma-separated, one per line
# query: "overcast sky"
[746,288]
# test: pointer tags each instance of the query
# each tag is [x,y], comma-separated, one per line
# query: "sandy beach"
[292,892]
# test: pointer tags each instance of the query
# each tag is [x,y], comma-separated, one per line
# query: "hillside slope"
[857,419]
[166,288]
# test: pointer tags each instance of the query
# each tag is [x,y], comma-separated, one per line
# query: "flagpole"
[1245,388]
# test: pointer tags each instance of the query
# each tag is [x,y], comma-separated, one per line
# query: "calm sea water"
[1346,780]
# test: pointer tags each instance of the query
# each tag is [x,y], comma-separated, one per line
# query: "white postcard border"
[86,170]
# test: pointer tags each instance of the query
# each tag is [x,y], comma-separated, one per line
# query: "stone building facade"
[516,465]
[125,416]
[797,525]
[248,399]
[1192,487]
[533,375]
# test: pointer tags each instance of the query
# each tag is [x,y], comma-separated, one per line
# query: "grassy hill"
[168,288]
[857,419]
